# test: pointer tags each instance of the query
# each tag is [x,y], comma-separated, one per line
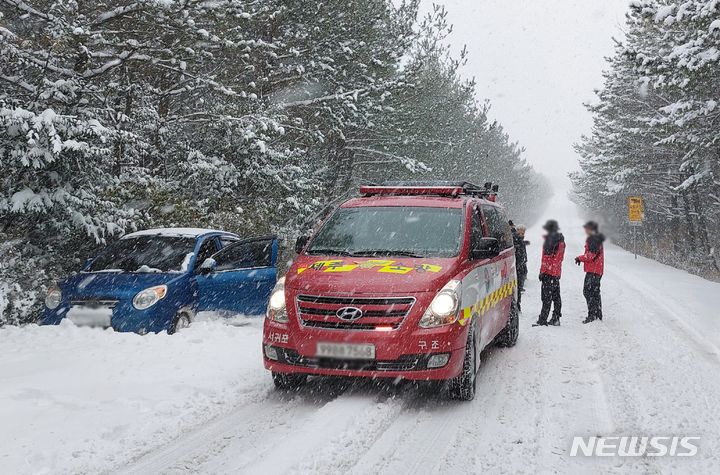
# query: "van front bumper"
[404,353]
[411,367]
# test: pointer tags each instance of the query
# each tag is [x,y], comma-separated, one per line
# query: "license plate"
[345,351]
[90,316]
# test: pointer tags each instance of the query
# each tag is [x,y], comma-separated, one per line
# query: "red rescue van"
[410,280]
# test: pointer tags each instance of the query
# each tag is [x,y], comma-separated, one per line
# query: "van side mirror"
[208,266]
[485,248]
[301,243]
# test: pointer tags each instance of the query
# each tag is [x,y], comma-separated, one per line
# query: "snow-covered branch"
[20,5]
[116,13]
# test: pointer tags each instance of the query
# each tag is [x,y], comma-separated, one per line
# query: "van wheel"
[182,320]
[287,381]
[462,388]
[509,335]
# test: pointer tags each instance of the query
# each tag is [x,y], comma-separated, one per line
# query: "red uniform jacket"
[553,254]
[594,258]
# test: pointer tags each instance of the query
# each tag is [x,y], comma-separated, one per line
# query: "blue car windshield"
[390,231]
[145,254]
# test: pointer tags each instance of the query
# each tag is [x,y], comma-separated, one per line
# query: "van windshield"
[145,254]
[390,231]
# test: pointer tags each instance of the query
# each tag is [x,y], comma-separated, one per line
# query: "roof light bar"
[431,188]
[412,190]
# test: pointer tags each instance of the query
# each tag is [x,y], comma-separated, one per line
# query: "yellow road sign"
[636,209]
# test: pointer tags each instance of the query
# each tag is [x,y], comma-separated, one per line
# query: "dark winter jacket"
[594,257]
[520,252]
[553,254]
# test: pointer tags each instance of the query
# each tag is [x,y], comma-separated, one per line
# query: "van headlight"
[149,297]
[53,297]
[443,310]
[277,308]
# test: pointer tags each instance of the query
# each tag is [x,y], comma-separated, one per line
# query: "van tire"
[509,335]
[182,320]
[462,388]
[288,382]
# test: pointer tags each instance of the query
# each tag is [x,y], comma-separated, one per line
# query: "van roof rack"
[431,188]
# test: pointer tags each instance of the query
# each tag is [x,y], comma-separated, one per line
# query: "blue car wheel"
[182,320]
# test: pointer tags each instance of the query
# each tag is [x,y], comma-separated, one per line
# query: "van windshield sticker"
[382,266]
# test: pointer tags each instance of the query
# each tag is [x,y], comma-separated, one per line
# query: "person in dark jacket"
[593,260]
[520,259]
[550,272]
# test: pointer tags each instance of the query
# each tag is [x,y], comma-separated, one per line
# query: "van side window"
[498,226]
[476,229]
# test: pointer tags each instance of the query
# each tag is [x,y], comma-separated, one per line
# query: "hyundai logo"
[349,313]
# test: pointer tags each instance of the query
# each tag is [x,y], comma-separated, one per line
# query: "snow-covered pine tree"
[656,131]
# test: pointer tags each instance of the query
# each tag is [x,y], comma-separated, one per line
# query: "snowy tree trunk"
[675,221]
[702,223]
[689,222]
[340,164]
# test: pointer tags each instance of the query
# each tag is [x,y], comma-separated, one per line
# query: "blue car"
[157,280]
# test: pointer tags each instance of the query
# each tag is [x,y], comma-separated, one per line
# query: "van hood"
[366,276]
[112,285]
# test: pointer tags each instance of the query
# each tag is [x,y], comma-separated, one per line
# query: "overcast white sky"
[538,61]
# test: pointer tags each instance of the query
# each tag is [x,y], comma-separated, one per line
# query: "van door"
[243,276]
[503,266]
[479,283]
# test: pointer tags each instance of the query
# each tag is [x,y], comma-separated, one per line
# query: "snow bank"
[79,400]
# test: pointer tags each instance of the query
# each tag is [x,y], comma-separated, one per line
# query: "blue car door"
[241,278]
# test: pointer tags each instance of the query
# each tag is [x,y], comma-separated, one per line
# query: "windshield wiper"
[385,252]
[328,252]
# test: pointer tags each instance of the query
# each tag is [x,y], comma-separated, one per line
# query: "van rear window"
[390,231]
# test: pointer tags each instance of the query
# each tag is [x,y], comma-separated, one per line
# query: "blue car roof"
[179,232]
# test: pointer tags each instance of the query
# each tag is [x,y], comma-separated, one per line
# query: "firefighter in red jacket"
[550,272]
[594,265]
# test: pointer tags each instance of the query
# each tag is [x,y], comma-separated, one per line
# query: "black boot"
[541,323]
[588,320]
[554,321]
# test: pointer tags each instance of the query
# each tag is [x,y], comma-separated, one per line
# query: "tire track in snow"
[186,451]
[345,449]
[417,442]
[308,437]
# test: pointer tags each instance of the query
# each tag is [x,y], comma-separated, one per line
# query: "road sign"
[636,210]
[636,215]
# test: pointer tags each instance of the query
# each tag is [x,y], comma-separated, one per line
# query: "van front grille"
[323,311]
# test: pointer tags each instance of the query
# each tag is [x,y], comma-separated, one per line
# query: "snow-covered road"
[82,401]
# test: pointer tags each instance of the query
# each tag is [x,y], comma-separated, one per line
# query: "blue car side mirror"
[88,262]
[207,266]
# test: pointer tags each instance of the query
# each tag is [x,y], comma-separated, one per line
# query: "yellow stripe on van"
[481,307]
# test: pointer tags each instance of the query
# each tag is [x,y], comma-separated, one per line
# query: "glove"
[577,261]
